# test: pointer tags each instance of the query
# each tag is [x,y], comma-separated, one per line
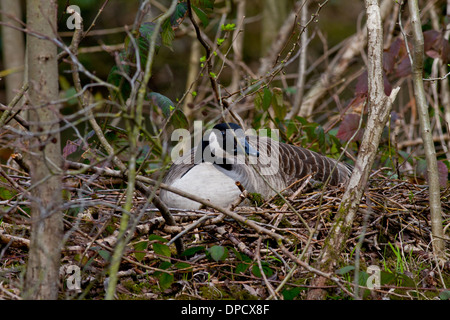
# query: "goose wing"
[180,167]
[294,163]
[297,162]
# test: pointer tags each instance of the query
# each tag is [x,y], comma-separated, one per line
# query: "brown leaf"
[443,174]
[348,128]
[404,67]
[392,55]
[436,46]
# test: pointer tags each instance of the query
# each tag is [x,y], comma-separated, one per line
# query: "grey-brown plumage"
[276,167]
[295,163]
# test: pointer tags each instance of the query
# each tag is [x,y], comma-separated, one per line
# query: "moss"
[256,199]
[238,293]
[137,287]
[211,292]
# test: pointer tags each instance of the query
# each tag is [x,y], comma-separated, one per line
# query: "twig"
[261,270]
[208,55]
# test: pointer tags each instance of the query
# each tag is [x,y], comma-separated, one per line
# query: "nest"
[218,257]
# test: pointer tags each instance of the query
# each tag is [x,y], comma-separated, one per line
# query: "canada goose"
[260,164]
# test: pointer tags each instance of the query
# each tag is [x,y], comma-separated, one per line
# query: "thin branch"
[425,126]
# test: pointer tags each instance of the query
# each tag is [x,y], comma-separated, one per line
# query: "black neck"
[221,162]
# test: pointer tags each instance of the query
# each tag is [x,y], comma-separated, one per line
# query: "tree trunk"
[13,47]
[42,275]
[379,106]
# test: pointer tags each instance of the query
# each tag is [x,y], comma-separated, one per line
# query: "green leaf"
[155,237]
[241,268]
[5,194]
[165,280]
[362,278]
[201,15]
[405,280]
[241,256]
[387,278]
[265,267]
[164,266]
[321,137]
[228,27]
[167,34]
[218,253]
[145,33]
[204,4]
[144,40]
[161,249]
[267,99]
[140,248]
[345,270]
[191,251]
[70,94]
[278,103]
[162,102]
[179,14]
[405,155]
[290,294]
[444,295]
[106,255]
[116,78]
[183,265]
[177,118]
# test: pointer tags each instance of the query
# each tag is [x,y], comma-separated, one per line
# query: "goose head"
[226,144]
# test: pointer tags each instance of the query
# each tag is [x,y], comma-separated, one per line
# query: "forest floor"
[225,259]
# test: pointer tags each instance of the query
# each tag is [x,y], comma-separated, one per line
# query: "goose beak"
[248,148]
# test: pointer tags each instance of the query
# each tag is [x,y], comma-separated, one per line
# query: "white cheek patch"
[215,146]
